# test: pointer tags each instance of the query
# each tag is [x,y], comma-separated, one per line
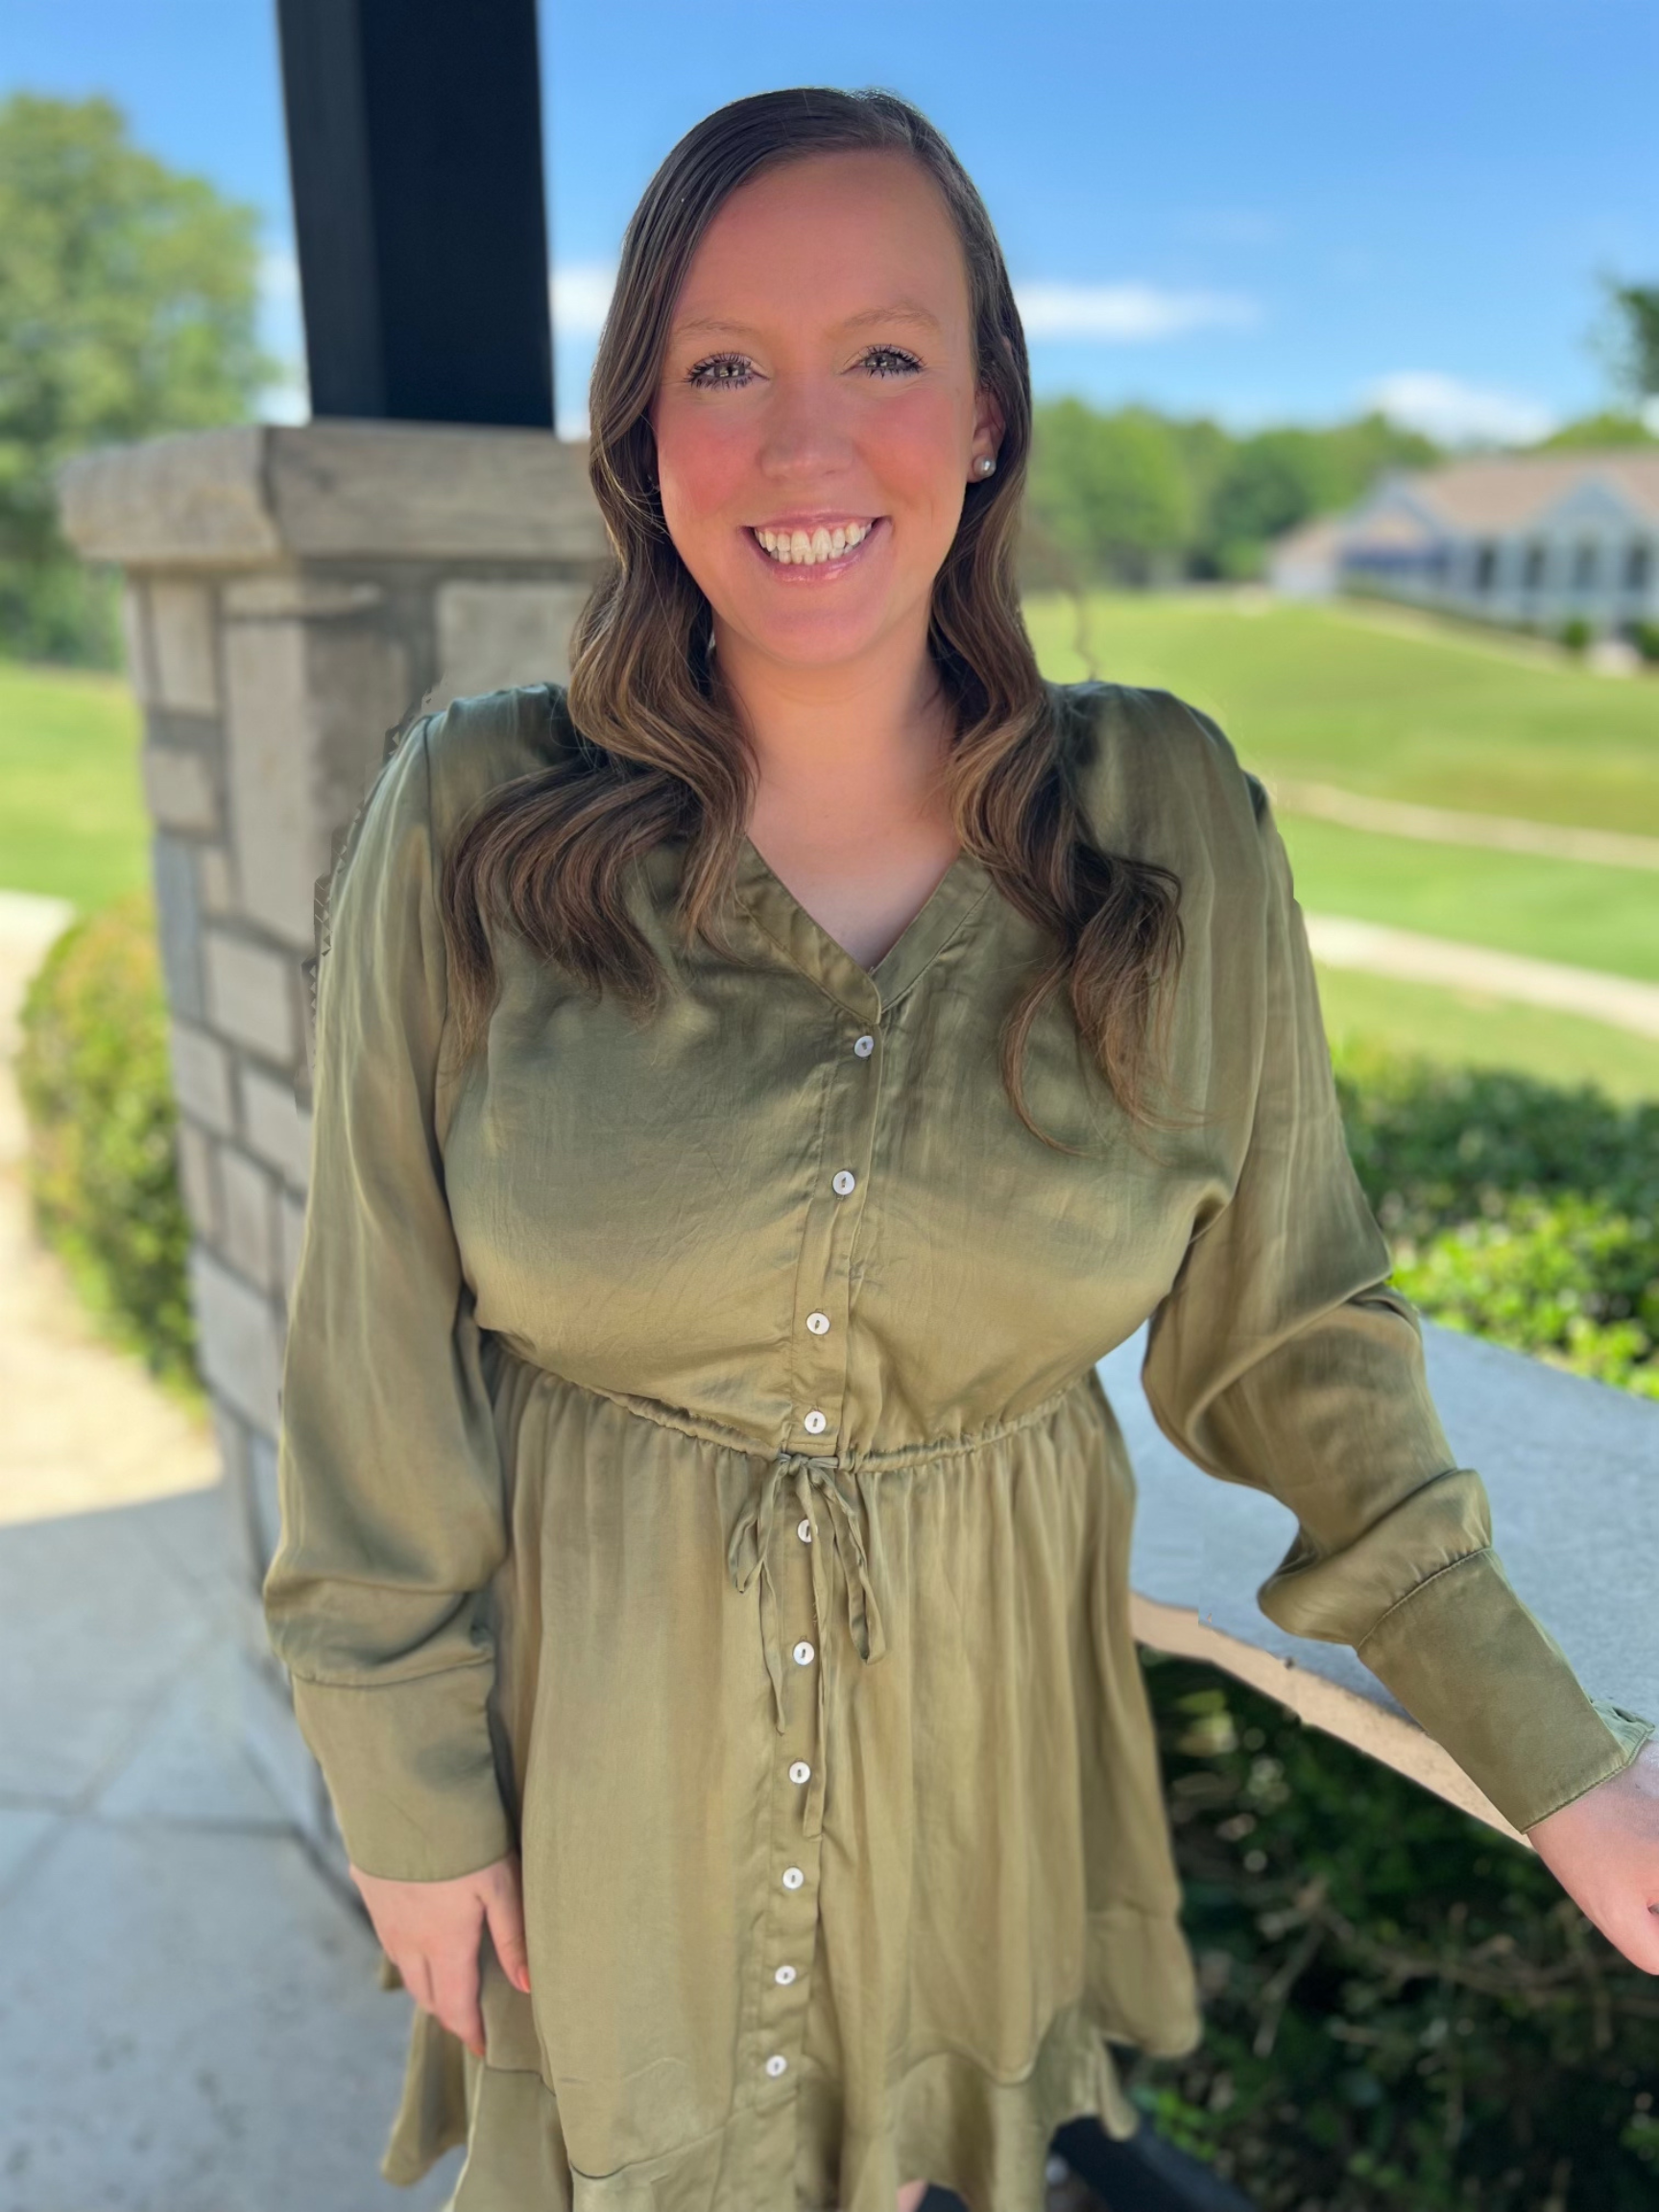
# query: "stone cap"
[334,489]
[1570,1466]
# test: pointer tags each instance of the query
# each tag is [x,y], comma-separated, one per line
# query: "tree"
[128,296]
[1635,345]
[1111,493]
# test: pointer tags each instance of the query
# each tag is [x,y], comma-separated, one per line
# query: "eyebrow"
[894,311]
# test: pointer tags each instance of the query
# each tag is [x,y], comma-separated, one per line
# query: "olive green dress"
[694,1471]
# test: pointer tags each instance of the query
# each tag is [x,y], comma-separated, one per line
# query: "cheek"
[703,461]
[915,448]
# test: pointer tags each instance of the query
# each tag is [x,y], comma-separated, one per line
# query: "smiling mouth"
[811,548]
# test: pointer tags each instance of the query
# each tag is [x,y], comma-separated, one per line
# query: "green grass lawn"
[1572,910]
[1333,694]
[72,819]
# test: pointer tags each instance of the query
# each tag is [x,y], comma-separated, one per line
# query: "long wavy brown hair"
[659,752]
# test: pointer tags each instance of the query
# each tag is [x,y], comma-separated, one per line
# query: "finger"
[455,1995]
[504,1909]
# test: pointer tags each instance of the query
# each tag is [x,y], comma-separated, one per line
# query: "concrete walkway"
[1454,825]
[1618,1000]
[189,2015]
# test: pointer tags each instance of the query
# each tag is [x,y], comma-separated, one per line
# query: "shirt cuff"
[411,1772]
[1484,1677]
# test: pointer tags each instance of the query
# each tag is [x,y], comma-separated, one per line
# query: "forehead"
[826,236]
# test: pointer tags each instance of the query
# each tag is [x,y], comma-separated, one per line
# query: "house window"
[1532,573]
[1485,567]
[1638,566]
[1584,565]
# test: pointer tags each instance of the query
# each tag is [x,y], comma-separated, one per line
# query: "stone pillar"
[294,596]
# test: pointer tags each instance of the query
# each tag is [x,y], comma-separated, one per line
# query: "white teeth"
[786,547]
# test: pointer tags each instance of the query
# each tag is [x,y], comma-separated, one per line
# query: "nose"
[805,436]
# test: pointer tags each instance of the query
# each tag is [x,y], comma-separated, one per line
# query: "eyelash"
[698,374]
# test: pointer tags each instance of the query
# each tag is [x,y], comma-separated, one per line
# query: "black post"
[415,153]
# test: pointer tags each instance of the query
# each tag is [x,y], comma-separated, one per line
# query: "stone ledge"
[253,496]
[1569,1465]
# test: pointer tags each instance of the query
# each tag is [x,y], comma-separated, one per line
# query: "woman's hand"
[1603,1849]
[430,1932]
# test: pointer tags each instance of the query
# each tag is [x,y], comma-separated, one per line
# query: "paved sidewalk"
[189,2015]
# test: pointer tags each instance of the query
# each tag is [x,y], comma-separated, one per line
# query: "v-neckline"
[807,942]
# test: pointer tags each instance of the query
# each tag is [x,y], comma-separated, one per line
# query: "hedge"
[97,1097]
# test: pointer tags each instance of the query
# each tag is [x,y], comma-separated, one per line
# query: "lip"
[800,573]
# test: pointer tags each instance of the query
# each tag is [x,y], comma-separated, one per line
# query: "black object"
[1144,2175]
[419,214]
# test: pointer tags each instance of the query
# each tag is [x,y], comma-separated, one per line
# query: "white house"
[1514,538]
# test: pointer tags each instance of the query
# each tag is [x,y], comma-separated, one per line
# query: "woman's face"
[817,418]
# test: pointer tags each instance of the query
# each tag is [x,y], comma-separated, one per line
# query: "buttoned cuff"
[1484,1677]
[411,1772]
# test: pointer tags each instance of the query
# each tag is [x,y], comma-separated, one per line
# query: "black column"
[415,151]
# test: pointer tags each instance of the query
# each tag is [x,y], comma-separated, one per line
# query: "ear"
[988,422]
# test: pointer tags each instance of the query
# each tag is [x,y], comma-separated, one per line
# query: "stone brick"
[215,884]
[179,789]
[249,1235]
[198,1178]
[181,630]
[179,924]
[201,1076]
[275,1127]
[240,1340]
[493,635]
[308,713]
[235,1487]
[252,993]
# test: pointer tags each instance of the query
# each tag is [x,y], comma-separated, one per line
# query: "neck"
[859,742]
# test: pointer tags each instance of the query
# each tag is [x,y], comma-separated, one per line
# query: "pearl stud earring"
[985,465]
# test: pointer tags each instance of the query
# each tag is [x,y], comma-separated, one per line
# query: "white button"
[800,1772]
[815,1422]
[802,1653]
[784,1974]
[803,1529]
[777,2062]
[844,1181]
[863,1046]
[819,1323]
[793,1877]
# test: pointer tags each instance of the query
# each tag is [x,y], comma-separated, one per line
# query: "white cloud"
[1447,409]
[581,292]
[1126,314]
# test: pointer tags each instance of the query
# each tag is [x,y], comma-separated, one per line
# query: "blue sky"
[1285,213]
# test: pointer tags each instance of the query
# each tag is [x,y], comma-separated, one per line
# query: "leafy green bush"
[1645,637]
[1575,633]
[1403,2012]
[98,1096]
[1521,1210]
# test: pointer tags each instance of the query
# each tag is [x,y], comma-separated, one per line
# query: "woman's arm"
[1282,1358]
[391,1483]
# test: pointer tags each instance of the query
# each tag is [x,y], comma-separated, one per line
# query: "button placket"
[824,1293]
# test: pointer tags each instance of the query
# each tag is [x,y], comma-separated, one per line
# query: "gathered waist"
[500,1361]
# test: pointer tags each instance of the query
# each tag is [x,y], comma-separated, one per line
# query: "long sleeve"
[1282,1359]
[388,1464]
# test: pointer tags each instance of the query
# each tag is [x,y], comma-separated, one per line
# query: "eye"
[890,361]
[719,370]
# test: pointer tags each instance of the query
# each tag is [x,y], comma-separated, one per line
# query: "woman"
[753,1089]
